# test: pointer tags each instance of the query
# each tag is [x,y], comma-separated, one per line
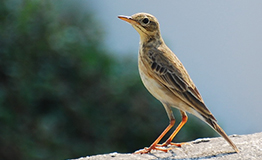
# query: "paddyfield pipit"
[167,80]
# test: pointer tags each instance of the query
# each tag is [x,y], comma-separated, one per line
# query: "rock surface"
[250,147]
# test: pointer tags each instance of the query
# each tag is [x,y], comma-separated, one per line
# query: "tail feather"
[219,130]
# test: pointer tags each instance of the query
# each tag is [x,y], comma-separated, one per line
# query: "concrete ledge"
[250,147]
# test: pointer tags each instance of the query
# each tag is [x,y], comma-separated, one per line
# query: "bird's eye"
[145,20]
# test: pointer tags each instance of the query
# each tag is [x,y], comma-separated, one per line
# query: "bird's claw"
[148,150]
[171,143]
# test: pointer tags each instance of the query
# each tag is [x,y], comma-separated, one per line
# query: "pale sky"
[219,43]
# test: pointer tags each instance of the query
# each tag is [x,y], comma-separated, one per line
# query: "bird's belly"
[157,90]
[162,93]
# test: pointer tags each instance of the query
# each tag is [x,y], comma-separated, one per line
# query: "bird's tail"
[219,130]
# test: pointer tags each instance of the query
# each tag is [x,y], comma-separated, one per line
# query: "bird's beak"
[128,19]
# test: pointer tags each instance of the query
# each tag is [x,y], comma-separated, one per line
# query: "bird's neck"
[151,41]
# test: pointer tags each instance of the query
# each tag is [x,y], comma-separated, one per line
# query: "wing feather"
[170,72]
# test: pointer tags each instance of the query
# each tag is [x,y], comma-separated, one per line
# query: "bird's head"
[145,24]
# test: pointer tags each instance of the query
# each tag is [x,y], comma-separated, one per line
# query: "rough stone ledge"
[250,147]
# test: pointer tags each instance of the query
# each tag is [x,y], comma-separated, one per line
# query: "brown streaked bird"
[167,80]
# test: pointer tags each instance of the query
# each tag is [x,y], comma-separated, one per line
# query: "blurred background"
[69,84]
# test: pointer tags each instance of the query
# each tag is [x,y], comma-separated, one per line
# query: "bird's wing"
[170,72]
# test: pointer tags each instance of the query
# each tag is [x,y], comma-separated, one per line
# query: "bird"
[165,77]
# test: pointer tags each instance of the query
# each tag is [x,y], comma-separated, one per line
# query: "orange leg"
[172,136]
[154,145]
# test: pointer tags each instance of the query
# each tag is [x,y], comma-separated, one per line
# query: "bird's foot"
[171,143]
[147,150]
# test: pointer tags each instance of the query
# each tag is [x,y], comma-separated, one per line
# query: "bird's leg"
[154,145]
[168,141]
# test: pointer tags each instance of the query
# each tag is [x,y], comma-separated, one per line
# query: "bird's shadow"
[193,158]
